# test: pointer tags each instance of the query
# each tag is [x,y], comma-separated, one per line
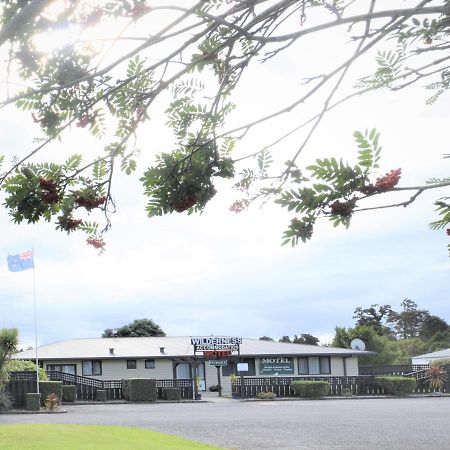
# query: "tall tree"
[431,325]
[306,338]
[137,328]
[266,338]
[407,323]
[199,52]
[375,316]
[286,339]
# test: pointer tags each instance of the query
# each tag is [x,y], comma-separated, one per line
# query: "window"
[324,362]
[66,368]
[231,368]
[314,365]
[303,366]
[92,367]
[149,363]
[131,364]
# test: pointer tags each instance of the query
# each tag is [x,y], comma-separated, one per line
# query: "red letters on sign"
[216,354]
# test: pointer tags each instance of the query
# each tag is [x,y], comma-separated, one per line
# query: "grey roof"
[149,347]
[440,354]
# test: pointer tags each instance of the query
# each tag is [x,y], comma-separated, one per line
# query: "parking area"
[410,423]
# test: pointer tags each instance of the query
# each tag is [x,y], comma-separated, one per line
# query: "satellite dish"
[358,344]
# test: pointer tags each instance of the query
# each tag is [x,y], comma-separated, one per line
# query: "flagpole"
[35,326]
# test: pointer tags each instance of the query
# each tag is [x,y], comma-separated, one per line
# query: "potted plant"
[198,395]
[234,393]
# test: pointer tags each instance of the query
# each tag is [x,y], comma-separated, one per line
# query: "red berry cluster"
[89,202]
[185,203]
[344,209]
[92,18]
[238,206]
[448,231]
[84,120]
[69,223]
[49,191]
[139,11]
[96,243]
[390,180]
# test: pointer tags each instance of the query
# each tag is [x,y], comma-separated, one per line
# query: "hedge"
[310,389]
[396,385]
[139,389]
[69,393]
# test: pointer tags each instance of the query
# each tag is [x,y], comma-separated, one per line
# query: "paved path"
[378,424]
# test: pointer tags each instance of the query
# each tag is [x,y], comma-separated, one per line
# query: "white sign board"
[242,367]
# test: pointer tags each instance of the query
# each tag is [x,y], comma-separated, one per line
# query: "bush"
[139,389]
[32,401]
[266,395]
[214,388]
[6,401]
[172,393]
[311,389]
[50,387]
[69,393]
[398,386]
[15,365]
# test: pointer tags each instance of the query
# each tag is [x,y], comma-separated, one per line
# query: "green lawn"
[87,437]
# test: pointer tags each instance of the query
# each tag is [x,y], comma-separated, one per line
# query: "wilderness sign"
[216,343]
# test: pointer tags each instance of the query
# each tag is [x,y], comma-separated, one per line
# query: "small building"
[173,358]
[428,358]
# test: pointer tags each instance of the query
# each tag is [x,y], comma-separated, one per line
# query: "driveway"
[375,424]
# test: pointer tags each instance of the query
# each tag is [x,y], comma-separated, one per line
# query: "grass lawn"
[86,437]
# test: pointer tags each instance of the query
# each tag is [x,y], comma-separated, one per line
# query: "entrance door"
[182,371]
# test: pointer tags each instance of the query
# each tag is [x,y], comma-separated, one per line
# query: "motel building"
[210,360]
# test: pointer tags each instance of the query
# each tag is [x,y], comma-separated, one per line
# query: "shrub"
[51,401]
[50,387]
[69,393]
[172,393]
[16,365]
[436,377]
[311,389]
[266,395]
[214,388]
[395,385]
[32,401]
[139,389]
[5,400]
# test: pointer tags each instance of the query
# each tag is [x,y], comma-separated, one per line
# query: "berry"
[344,209]
[185,203]
[390,180]
[96,243]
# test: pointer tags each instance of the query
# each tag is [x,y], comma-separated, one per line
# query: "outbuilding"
[208,358]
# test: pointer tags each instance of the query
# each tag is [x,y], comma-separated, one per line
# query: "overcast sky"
[222,273]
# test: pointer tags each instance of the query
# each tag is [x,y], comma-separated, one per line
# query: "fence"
[185,385]
[353,385]
[23,382]
[399,369]
[19,384]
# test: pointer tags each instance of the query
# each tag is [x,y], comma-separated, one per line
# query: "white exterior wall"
[117,369]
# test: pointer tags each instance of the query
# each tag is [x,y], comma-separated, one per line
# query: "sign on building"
[276,366]
[218,362]
[216,343]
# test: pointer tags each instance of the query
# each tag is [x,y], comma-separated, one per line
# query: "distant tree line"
[396,336]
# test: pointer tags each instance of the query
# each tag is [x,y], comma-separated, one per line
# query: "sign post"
[214,348]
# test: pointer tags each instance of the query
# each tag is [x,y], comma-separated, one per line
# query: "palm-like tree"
[9,338]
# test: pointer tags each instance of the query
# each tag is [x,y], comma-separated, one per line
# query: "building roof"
[439,354]
[149,347]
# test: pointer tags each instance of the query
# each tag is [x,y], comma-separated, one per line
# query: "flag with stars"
[20,262]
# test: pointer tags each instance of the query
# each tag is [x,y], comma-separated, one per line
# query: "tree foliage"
[193,61]
[137,328]
[396,336]
[9,339]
